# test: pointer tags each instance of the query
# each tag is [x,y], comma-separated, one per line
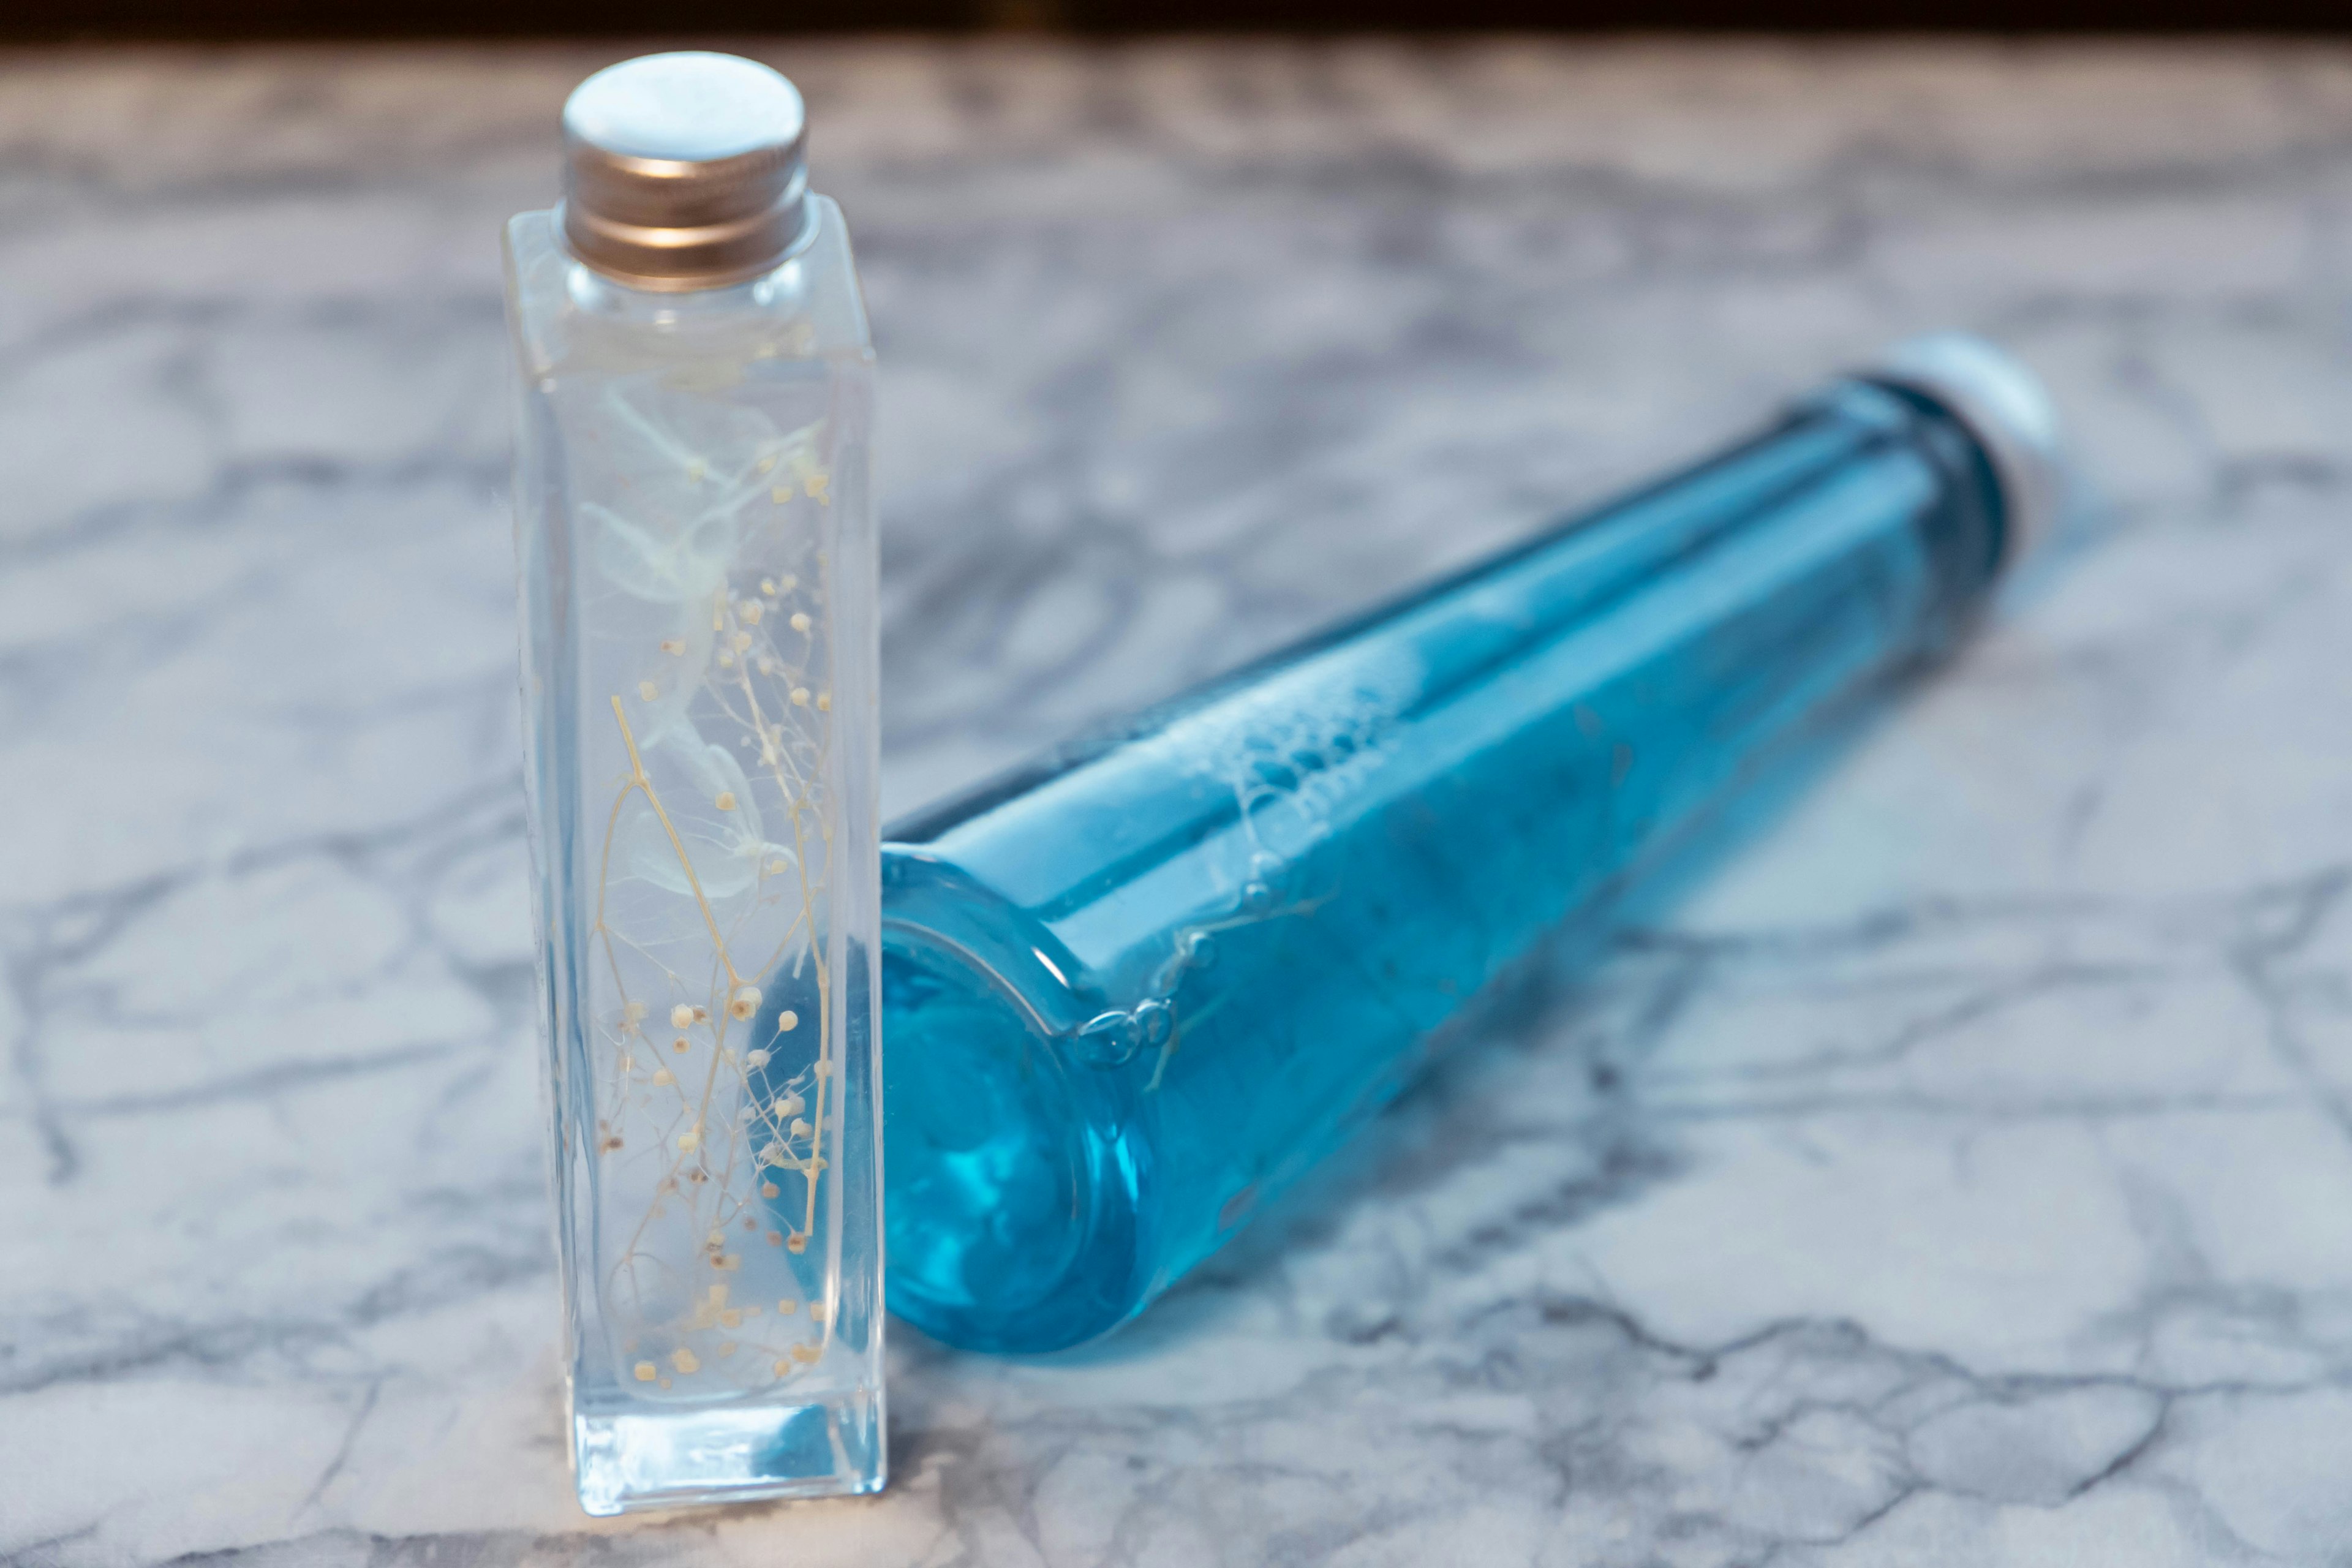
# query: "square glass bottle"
[695,537]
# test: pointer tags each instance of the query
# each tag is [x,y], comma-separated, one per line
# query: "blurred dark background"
[254,19]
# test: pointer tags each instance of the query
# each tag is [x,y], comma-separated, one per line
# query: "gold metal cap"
[684,171]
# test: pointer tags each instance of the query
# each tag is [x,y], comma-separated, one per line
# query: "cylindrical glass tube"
[697,571]
[1133,992]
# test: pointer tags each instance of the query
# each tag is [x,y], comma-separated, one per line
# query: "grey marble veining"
[1962,1174]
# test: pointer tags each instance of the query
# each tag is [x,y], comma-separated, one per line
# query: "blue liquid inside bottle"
[1133,992]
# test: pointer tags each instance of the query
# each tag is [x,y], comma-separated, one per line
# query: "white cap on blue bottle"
[2005,407]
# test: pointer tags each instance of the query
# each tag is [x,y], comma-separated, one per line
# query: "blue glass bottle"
[1134,991]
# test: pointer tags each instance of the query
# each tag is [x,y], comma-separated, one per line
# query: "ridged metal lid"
[2005,407]
[684,171]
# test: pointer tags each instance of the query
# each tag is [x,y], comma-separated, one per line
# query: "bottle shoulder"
[568,321]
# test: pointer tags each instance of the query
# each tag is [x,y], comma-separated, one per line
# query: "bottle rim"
[2005,407]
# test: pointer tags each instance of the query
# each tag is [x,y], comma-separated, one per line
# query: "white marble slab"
[1963,1176]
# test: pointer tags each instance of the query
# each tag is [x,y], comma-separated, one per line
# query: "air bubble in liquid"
[1108,1039]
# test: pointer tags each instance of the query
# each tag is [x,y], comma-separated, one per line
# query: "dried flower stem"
[639,780]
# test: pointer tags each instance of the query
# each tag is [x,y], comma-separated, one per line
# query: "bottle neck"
[594,294]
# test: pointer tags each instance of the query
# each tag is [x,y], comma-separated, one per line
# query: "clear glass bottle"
[696,542]
[1135,991]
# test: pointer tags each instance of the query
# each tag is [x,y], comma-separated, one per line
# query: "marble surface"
[1962,1174]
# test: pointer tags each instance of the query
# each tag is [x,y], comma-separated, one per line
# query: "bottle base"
[653,1457]
[1013,1177]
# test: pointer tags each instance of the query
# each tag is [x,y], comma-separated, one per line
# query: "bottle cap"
[2005,408]
[684,171]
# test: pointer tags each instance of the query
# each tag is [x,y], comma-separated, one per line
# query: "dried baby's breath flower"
[688,825]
